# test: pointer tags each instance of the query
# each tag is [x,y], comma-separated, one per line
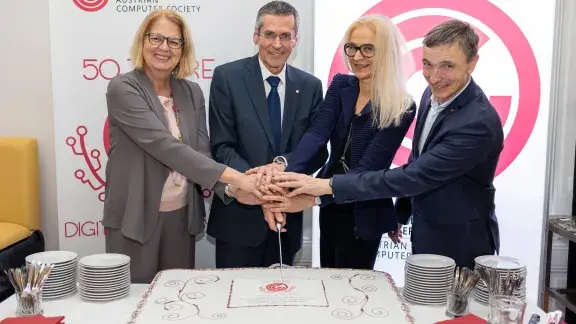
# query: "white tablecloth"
[78,311]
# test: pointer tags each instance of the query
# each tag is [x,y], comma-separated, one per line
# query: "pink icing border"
[400,297]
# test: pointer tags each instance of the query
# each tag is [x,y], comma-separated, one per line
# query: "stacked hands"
[279,192]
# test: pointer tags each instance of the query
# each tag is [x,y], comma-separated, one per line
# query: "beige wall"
[26,92]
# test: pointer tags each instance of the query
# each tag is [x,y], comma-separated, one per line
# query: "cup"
[457,305]
[29,304]
[506,310]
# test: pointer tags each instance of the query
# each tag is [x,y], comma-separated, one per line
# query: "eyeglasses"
[271,36]
[367,50]
[158,39]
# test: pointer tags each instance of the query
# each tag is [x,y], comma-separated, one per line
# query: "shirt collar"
[266,73]
[449,101]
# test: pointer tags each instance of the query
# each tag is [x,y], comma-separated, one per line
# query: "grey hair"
[281,8]
[452,31]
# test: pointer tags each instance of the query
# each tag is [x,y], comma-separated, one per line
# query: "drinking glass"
[506,310]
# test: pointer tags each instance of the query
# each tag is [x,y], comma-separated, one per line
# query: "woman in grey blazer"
[159,159]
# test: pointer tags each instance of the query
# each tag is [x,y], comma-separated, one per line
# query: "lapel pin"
[297,91]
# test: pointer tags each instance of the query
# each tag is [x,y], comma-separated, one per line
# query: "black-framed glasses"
[367,50]
[158,39]
[271,36]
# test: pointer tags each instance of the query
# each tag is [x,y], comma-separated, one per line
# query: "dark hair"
[277,8]
[454,31]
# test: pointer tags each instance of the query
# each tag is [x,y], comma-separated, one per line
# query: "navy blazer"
[241,137]
[451,180]
[372,149]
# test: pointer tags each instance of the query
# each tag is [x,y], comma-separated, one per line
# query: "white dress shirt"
[281,86]
[435,109]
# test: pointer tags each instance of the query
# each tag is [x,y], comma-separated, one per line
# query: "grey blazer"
[143,151]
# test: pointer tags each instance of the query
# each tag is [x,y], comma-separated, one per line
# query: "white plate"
[104,260]
[105,271]
[95,283]
[53,257]
[411,298]
[101,290]
[105,294]
[499,262]
[429,272]
[103,299]
[104,276]
[430,261]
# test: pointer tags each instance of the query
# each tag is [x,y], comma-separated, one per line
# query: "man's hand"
[302,184]
[396,235]
[272,217]
[265,173]
[282,204]
[243,197]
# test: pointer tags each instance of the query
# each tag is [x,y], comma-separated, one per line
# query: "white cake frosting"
[260,295]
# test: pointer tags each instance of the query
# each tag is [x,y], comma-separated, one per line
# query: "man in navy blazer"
[450,173]
[260,107]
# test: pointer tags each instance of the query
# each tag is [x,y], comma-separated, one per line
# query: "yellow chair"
[19,190]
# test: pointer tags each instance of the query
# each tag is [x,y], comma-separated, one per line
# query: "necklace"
[177,117]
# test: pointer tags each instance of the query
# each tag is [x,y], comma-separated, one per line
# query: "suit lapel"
[291,98]
[187,115]
[349,96]
[425,106]
[158,108]
[255,86]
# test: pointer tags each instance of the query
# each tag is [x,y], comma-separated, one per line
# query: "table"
[77,310]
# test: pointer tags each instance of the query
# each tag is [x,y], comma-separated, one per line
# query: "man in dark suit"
[450,174]
[260,107]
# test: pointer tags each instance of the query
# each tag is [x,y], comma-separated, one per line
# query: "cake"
[263,295]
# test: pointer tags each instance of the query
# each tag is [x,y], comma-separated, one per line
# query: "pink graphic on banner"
[90,5]
[508,32]
[91,158]
[94,163]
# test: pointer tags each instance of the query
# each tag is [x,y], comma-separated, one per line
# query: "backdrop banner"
[514,71]
[90,41]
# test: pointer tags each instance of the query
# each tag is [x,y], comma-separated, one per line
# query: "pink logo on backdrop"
[90,5]
[508,32]
[90,175]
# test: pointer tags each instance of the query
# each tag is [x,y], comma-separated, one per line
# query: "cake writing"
[361,301]
[276,287]
[185,304]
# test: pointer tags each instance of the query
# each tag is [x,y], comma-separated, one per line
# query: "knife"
[279,228]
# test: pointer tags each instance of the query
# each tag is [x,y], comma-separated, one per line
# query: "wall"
[563,134]
[26,92]
[27,108]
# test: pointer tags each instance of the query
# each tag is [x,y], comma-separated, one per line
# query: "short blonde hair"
[187,60]
[390,97]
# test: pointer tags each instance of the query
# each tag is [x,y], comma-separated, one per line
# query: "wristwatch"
[281,160]
[227,191]
[317,201]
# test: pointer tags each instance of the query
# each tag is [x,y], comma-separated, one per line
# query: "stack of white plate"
[502,265]
[428,278]
[62,280]
[104,277]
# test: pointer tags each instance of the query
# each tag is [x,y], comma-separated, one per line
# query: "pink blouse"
[175,192]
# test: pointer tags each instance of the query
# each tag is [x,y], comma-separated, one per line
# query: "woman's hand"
[248,185]
[282,204]
[302,184]
[265,173]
